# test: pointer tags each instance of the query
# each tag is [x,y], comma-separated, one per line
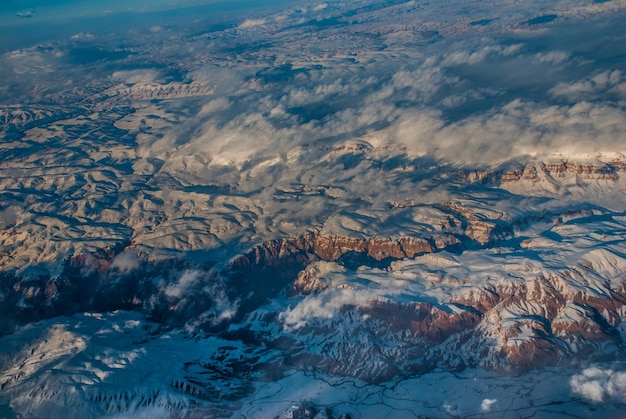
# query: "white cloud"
[126,261]
[423,82]
[325,305]
[320,6]
[215,105]
[251,23]
[552,57]
[226,80]
[135,76]
[474,57]
[598,385]
[183,285]
[487,404]
[451,410]
[83,36]
[515,129]
[33,60]
[599,86]
[9,216]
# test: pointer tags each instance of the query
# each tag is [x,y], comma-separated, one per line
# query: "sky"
[43,10]
[22,11]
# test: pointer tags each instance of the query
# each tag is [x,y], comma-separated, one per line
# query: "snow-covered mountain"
[478,285]
[374,209]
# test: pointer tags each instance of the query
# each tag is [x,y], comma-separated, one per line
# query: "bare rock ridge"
[532,172]
[273,265]
[331,248]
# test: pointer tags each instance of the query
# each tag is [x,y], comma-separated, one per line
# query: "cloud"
[196,299]
[324,305]
[143,76]
[598,385]
[38,59]
[126,261]
[184,284]
[515,129]
[553,57]
[233,130]
[227,81]
[451,410]
[487,404]
[251,23]
[605,85]
[464,115]
[320,6]
[221,307]
[422,83]
[344,290]
[83,36]
[474,57]
[242,139]
[216,105]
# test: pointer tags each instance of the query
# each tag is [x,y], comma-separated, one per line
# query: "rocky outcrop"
[478,229]
[308,281]
[315,246]
[558,170]
[551,171]
[271,266]
[331,248]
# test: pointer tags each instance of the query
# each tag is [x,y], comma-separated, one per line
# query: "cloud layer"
[600,385]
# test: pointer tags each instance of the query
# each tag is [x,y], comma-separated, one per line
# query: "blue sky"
[42,10]
[23,12]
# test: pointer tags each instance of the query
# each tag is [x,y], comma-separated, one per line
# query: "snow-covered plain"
[380,208]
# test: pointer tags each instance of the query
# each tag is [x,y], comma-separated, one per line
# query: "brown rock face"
[314,246]
[283,259]
[557,170]
[534,172]
[307,282]
[333,247]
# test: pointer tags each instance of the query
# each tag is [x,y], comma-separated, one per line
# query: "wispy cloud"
[126,261]
[135,76]
[184,284]
[324,305]
[478,55]
[607,85]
